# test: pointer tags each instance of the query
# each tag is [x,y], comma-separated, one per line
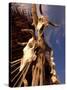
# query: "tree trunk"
[38,76]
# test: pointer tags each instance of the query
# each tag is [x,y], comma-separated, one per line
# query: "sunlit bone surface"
[28,53]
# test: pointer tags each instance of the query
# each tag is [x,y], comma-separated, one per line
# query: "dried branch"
[34,15]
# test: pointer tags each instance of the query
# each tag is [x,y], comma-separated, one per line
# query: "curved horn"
[40,8]
[53,24]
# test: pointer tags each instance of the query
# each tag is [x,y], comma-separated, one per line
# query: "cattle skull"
[28,53]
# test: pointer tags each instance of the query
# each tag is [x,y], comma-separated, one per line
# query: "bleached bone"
[42,20]
[28,53]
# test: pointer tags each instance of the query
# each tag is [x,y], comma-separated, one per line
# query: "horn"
[53,24]
[40,8]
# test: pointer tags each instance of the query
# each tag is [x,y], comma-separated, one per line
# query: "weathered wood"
[34,15]
[38,73]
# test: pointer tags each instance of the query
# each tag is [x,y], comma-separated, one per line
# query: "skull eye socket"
[39,19]
[42,27]
[30,45]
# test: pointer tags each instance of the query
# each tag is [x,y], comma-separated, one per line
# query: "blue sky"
[55,37]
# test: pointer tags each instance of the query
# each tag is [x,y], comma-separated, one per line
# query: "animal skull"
[28,53]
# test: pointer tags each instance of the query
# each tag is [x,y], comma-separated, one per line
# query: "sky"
[55,37]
